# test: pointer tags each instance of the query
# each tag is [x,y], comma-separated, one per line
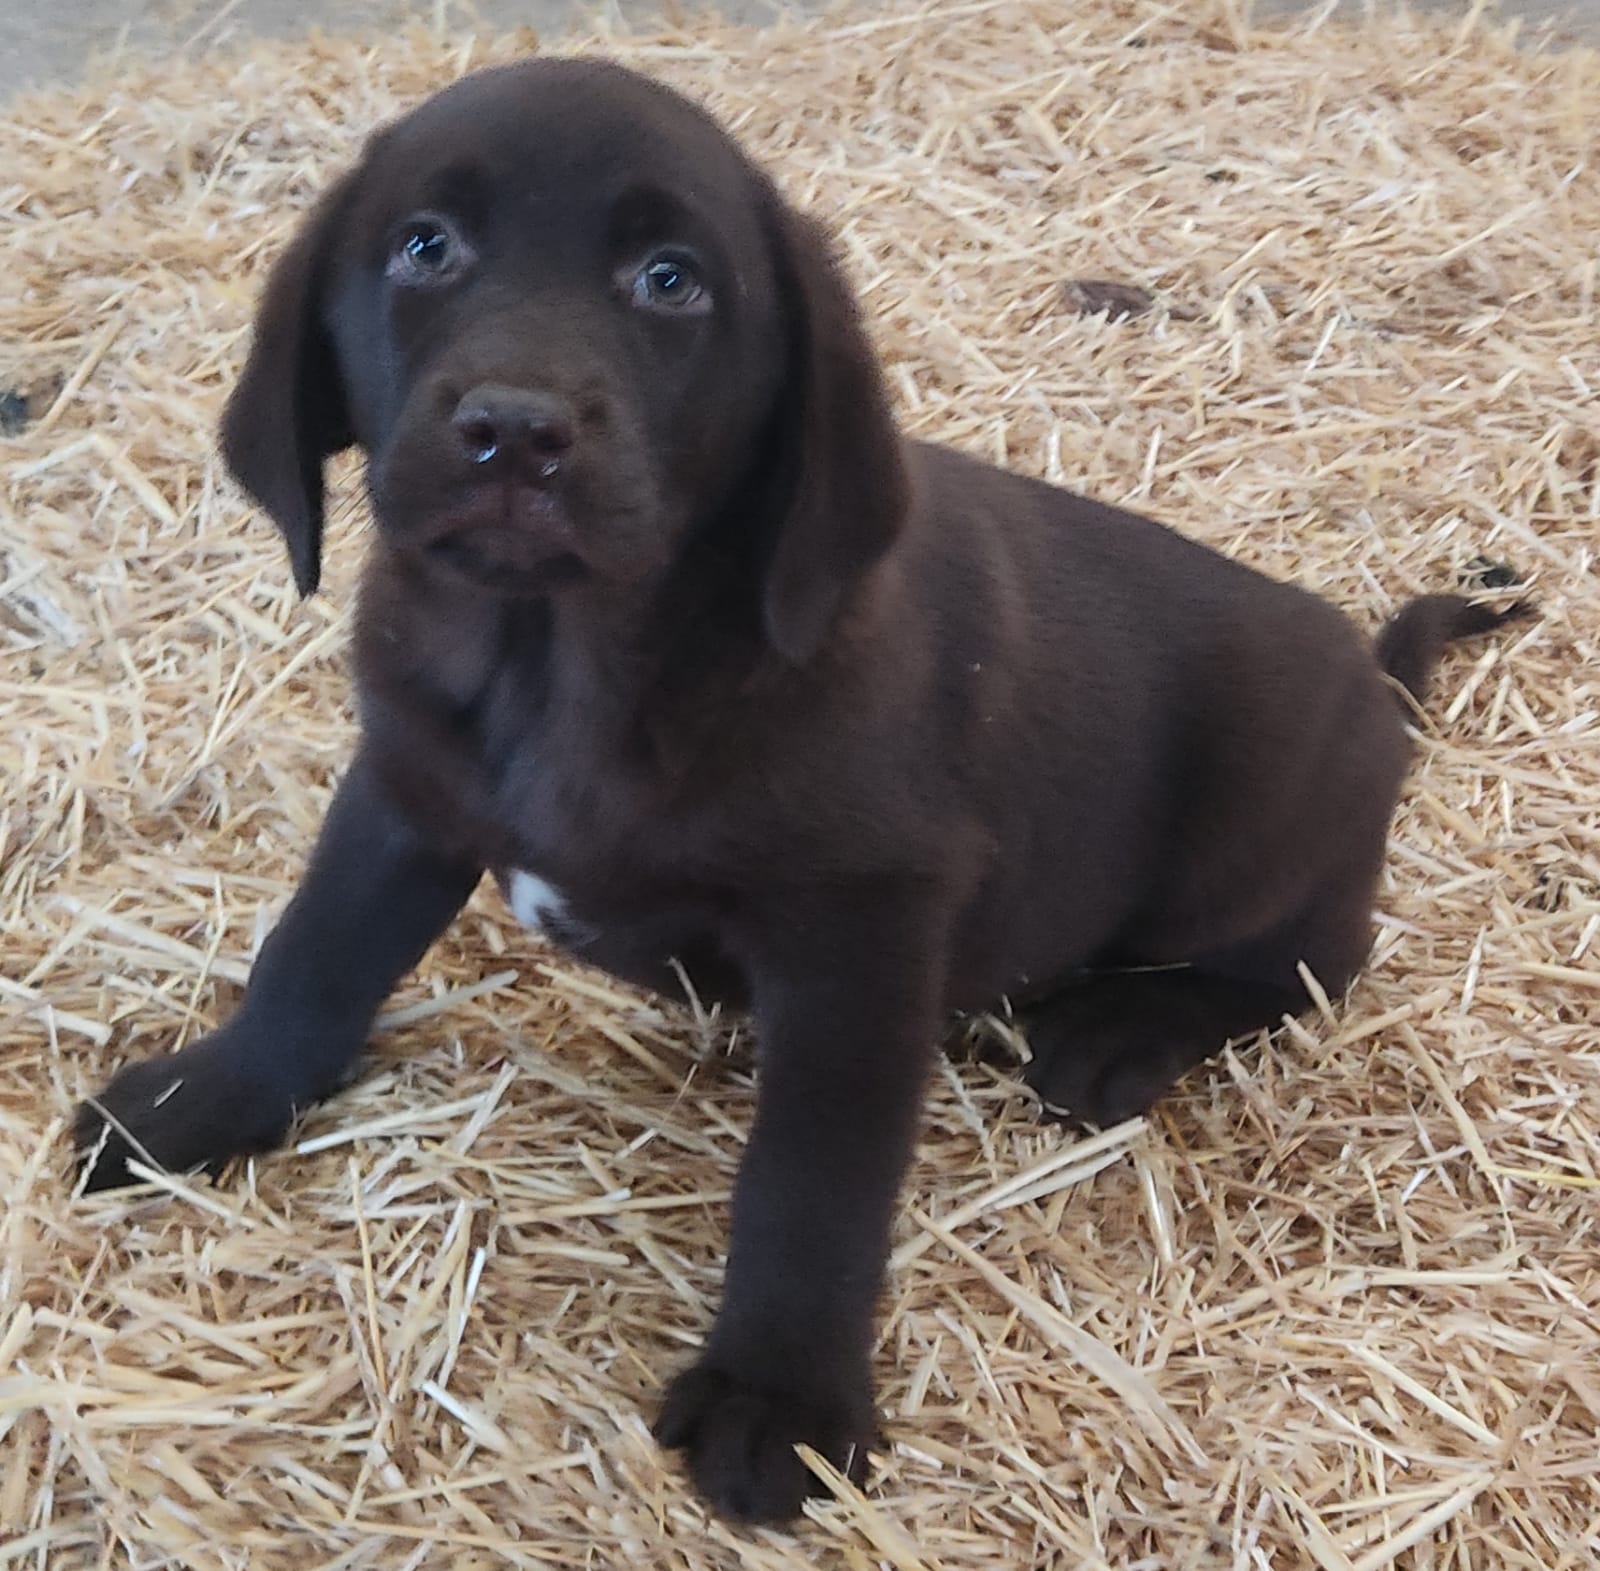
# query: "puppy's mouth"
[512,538]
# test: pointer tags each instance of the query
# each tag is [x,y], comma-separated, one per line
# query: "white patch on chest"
[534,903]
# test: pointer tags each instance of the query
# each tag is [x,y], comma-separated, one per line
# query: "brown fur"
[662,609]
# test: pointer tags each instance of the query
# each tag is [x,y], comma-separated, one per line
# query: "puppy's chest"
[582,865]
[544,779]
[562,821]
[561,808]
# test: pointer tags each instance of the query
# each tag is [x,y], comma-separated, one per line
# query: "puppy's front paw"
[194,1109]
[739,1436]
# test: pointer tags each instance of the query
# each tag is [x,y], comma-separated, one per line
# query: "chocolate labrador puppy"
[668,627]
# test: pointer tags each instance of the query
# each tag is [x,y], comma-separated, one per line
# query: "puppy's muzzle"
[516,433]
[507,521]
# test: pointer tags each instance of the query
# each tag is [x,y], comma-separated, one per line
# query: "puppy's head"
[573,328]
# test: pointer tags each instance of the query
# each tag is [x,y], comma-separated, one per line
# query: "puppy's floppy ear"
[842,491]
[288,411]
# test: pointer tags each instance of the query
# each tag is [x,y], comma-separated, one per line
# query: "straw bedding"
[1336,1306]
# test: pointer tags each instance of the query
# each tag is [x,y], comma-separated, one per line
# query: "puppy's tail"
[1412,640]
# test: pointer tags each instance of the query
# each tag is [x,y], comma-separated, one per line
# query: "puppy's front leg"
[372,900]
[847,1000]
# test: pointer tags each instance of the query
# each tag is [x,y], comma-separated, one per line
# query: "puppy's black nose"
[511,425]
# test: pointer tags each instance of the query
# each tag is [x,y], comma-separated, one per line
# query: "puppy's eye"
[669,283]
[427,250]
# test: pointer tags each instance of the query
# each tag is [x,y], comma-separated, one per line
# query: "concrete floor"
[45,41]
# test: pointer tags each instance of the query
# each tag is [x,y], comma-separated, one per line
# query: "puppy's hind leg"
[1106,1048]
